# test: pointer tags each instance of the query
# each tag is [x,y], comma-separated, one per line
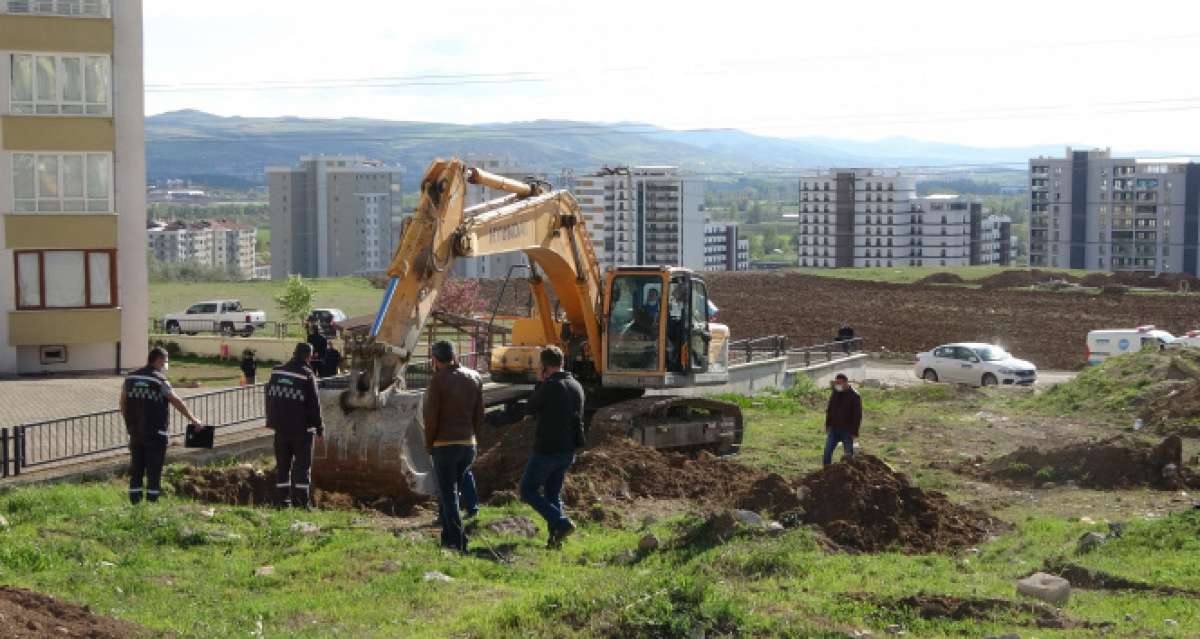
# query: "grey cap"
[443,352]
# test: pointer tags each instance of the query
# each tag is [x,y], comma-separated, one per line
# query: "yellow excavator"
[629,336]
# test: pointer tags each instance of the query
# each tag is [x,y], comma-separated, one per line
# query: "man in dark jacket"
[843,417]
[558,404]
[453,410]
[319,345]
[249,366]
[144,399]
[294,413]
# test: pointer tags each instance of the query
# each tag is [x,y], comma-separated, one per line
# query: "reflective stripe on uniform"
[296,375]
[283,485]
[302,486]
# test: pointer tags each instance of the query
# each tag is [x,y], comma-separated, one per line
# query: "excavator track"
[672,422]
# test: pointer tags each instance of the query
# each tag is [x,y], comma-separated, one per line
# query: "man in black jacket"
[558,404]
[843,417]
[144,399]
[294,413]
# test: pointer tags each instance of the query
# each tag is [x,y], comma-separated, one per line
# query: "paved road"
[902,374]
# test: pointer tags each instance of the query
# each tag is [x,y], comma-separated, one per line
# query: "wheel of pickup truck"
[930,375]
[247,332]
[173,328]
[227,329]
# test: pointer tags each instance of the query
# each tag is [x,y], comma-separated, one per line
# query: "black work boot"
[135,496]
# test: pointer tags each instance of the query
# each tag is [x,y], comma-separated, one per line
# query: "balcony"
[72,8]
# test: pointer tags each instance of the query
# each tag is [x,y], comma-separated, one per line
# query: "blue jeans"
[832,439]
[450,464]
[467,495]
[541,487]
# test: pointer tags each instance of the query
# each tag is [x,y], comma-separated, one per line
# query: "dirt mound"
[935,607]
[25,614]
[1013,279]
[1117,462]
[617,468]
[242,485]
[941,278]
[771,494]
[248,485]
[863,504]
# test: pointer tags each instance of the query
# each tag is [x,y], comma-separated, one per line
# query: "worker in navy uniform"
[294,413]
[144,399]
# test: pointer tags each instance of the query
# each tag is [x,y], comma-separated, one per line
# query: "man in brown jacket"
[453,411]
[843,417]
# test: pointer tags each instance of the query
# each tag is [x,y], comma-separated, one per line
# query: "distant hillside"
[185,143]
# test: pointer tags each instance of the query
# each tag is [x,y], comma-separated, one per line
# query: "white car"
[226,316]
[974,364]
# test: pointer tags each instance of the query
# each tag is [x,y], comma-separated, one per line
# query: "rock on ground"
[1050,589]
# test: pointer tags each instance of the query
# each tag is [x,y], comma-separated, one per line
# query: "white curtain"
[64,279]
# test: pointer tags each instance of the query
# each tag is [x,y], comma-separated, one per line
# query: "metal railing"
[776,346]
[79,436]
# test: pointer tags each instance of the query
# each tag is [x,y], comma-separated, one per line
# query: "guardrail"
[775,346]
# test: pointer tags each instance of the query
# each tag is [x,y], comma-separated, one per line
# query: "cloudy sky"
[1013,73]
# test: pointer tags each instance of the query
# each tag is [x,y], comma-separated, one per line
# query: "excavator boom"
[618,337]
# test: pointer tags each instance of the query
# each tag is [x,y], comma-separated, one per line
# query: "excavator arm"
[545,225]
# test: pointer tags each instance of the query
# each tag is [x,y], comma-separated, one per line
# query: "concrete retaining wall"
[266,348]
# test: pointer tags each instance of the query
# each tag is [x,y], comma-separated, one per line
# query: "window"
[71,182]
[60,84]
[66,279]
[82,8]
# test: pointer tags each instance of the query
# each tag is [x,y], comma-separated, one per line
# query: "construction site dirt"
[1117,462]
[1046,327]
[30,615]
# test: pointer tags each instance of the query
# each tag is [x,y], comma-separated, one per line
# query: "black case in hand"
[198,436]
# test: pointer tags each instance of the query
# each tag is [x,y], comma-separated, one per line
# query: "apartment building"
[1091,210]
[869,217]
[215,243]
[73,273]
[651,215]
[495,266]
[724,250]
[856,218]
[333,216]
[942,231]
[996,245]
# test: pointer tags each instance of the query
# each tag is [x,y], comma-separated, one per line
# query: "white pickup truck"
[224,316]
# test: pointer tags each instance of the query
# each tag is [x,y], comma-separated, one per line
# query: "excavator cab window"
[699,336]
[633,323]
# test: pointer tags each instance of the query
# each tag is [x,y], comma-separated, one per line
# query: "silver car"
[974,364]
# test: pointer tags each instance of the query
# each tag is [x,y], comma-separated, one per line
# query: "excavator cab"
[659,333]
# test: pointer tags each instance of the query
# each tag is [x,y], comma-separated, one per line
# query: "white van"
[1104,344]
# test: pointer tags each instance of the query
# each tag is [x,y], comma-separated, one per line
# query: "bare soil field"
[1047,327]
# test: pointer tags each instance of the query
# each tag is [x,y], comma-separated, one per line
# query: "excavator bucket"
[374,453]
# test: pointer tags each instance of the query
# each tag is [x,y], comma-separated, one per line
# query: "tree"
[460,297]
[295,300]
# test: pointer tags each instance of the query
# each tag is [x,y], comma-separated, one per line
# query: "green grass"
[1111,387]
[354,295]
[908,275]
[172,568]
